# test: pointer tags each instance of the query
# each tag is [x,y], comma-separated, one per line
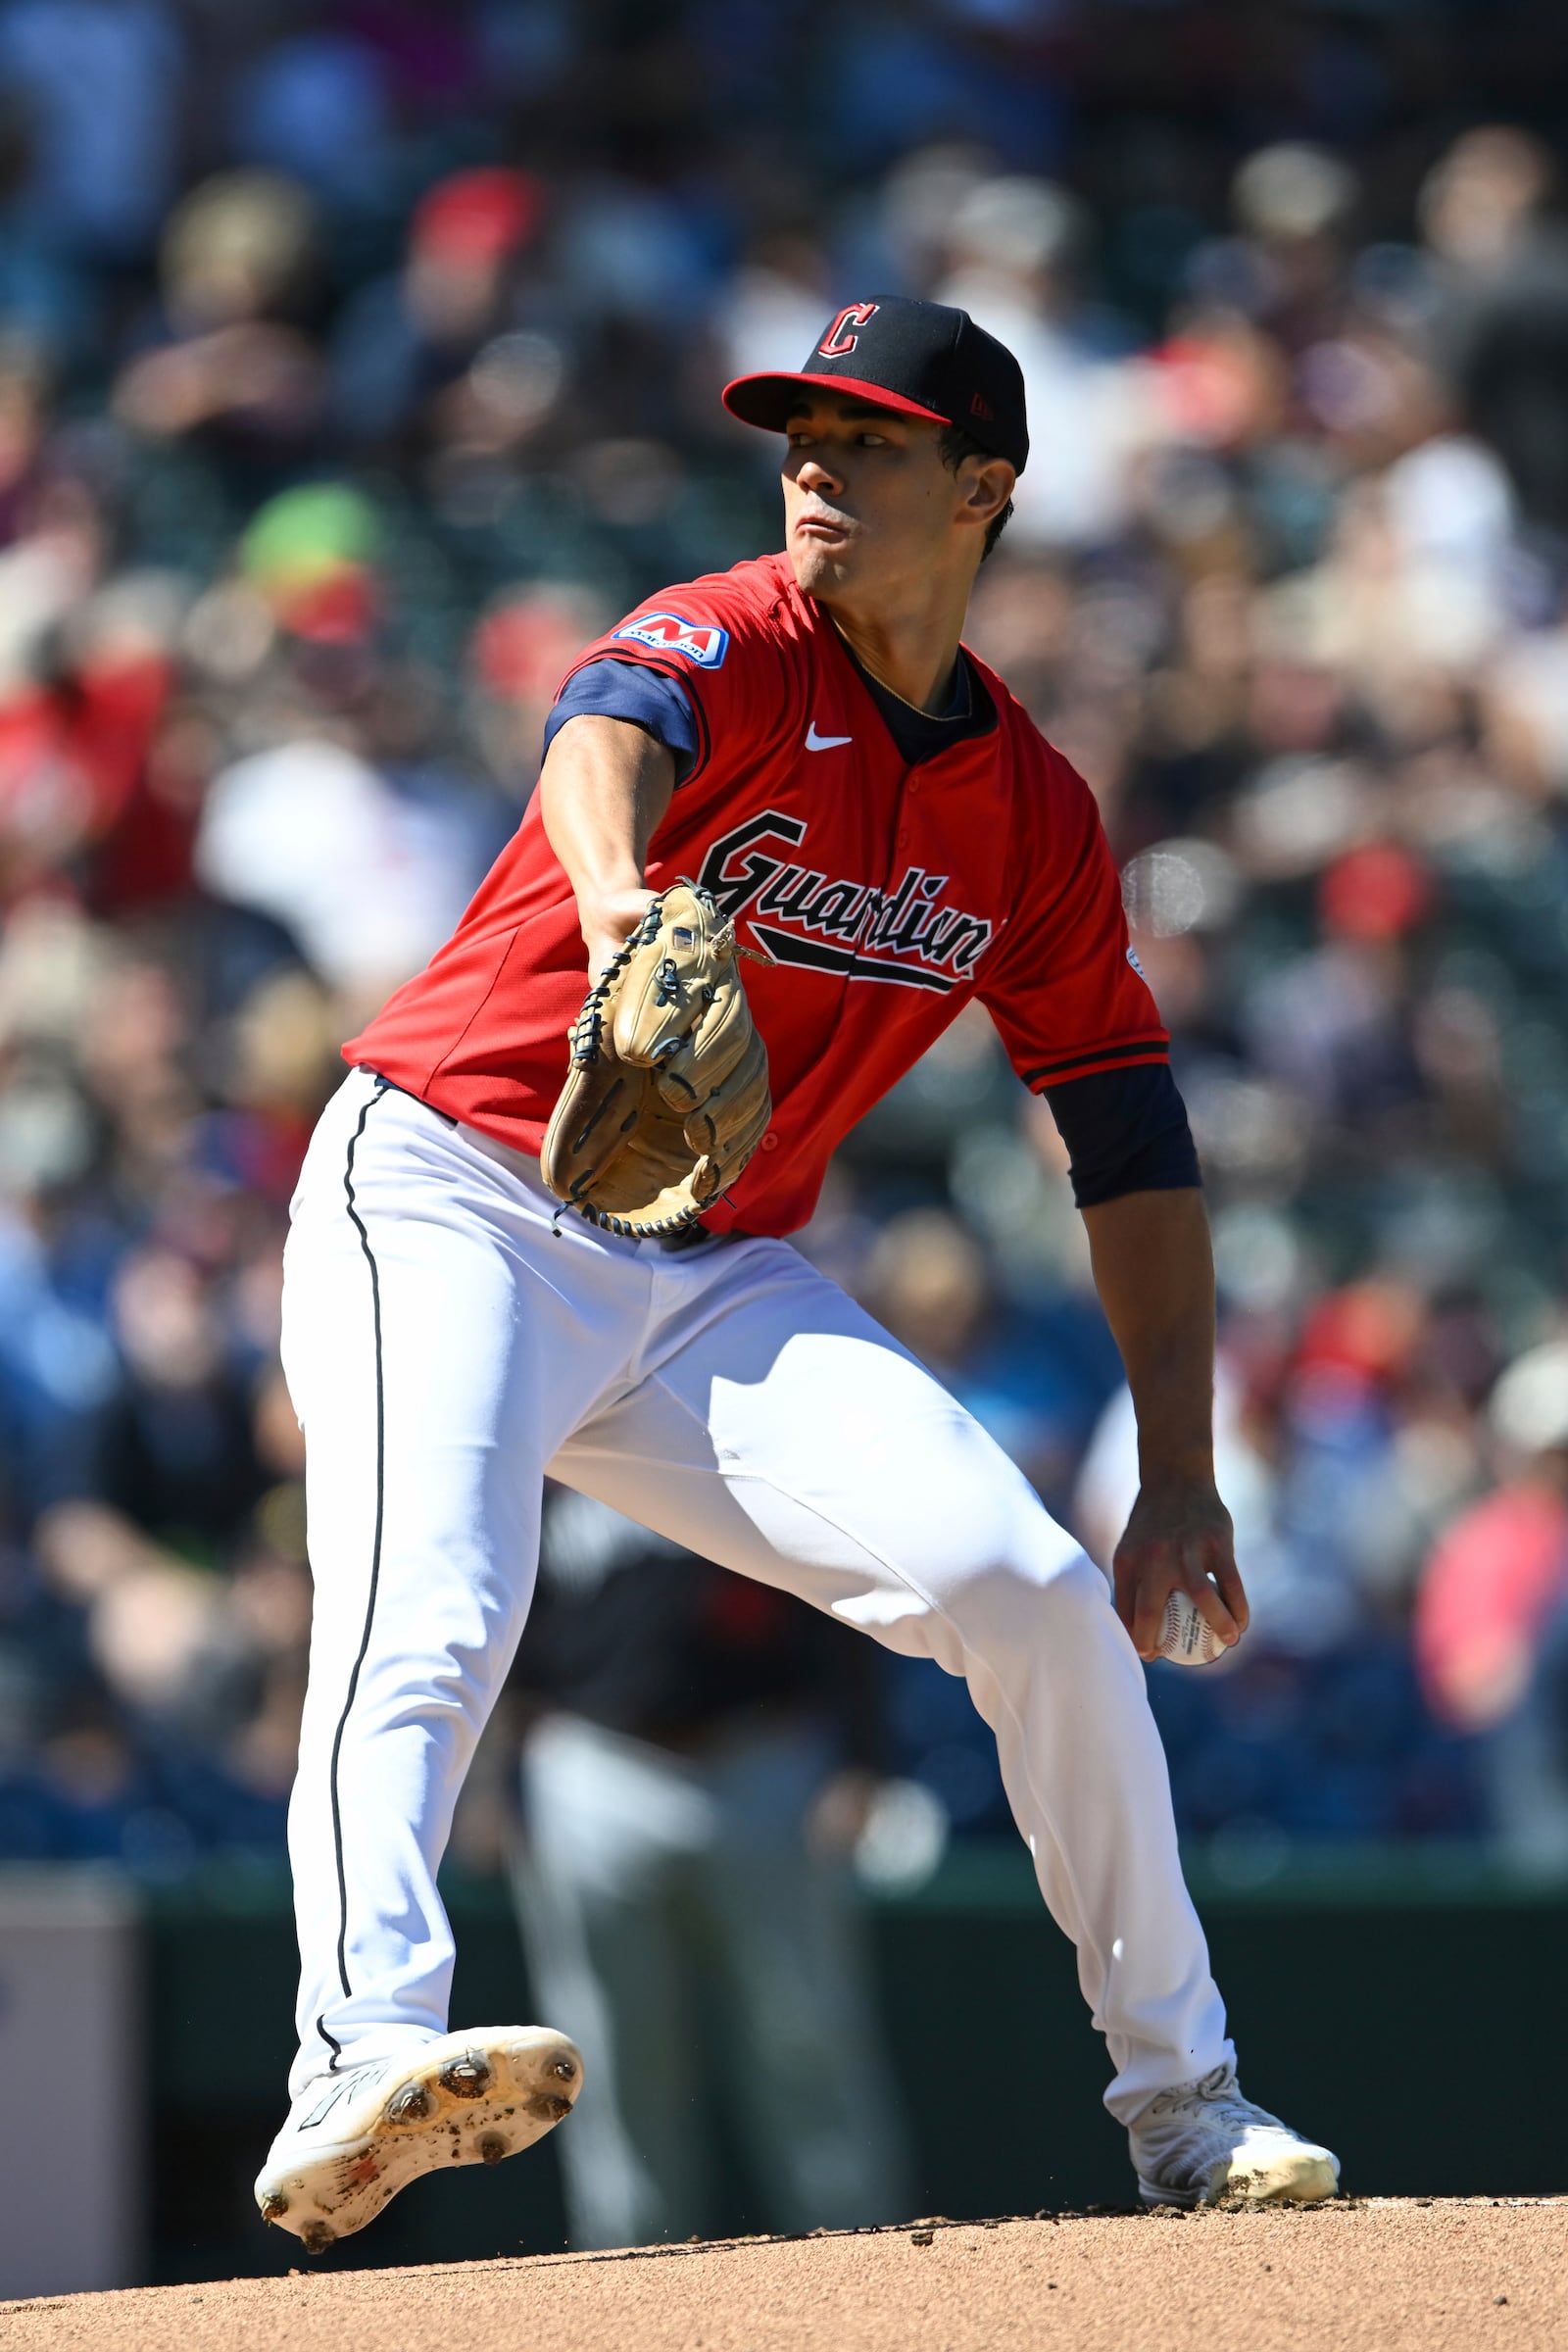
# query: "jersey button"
[770,1143]
[914,783]
[903,838]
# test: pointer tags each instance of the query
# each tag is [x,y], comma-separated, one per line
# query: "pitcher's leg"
[409,1357]
[788,1437]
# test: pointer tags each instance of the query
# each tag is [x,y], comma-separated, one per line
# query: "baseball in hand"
[1186,1637]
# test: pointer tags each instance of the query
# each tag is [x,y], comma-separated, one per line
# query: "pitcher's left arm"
[1154,1272]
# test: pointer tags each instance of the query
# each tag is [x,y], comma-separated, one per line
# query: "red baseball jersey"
[883,895]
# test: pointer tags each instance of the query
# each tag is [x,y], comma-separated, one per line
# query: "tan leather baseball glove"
[666,1096]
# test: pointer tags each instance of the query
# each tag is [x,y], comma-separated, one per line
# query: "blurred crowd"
[357,362]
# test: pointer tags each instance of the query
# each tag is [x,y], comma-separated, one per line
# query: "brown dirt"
[1398,2274]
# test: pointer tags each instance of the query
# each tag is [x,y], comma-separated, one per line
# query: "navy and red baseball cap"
[922,359]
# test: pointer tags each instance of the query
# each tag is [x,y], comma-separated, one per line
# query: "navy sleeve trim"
[639,694]
[1136,1049]
[1126,1131]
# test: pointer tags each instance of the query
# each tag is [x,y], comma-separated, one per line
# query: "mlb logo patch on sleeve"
[700,641]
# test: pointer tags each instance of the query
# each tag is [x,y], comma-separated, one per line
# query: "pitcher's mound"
[1395,2275]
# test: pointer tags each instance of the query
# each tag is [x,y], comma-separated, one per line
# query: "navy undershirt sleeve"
[1125,1131]
[630,690]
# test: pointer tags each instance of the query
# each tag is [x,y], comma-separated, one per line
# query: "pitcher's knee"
[1033,1594]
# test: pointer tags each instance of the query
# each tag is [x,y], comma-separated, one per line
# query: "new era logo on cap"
[922,359]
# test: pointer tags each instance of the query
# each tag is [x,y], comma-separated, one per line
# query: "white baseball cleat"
[352,2140]
[1203,2141]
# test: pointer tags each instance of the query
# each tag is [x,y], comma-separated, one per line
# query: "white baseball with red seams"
[1186,1637]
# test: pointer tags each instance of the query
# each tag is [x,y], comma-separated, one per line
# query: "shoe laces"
[1215,2095]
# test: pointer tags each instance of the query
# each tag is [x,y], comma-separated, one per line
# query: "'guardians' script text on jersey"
[883,896]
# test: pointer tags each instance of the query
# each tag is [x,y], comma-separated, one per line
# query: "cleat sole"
[470,2098]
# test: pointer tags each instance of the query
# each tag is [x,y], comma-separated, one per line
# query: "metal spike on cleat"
[466,2077]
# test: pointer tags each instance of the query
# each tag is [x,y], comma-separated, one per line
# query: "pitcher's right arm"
[603,790]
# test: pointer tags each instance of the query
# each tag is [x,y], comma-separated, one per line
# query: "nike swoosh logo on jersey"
[824,743]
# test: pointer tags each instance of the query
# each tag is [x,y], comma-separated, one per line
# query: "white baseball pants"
[446,1347]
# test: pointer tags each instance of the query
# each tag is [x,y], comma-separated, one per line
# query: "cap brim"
[768,400]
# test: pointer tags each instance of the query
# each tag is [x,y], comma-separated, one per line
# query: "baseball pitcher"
[787,827]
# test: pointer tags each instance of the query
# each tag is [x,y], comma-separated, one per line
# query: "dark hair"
[953,447]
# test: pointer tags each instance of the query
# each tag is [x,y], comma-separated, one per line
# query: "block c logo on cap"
[836,344]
